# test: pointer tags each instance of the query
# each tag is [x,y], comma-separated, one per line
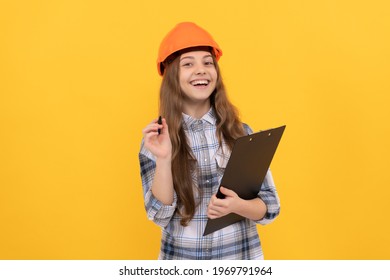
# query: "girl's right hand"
[158,144]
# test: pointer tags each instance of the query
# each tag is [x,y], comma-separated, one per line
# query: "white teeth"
[199,82]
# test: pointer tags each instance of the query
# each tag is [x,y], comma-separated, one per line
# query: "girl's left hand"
[220,207]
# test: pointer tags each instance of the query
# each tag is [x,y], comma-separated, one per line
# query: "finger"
[150,133]
[151,128]
[165,129]
[213,214]
[212,199]
[215,201]
[150,137]
[227,191]
[218,204]
[216,208]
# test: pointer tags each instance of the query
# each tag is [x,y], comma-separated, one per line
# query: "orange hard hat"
[185,35]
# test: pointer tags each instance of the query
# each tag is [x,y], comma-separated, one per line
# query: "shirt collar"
[209,117]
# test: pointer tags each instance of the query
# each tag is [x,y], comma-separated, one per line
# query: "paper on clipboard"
[246,169]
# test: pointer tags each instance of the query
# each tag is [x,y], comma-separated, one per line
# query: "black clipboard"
[246,169]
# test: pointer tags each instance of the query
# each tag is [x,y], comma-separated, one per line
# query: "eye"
[187,64]
[209,63]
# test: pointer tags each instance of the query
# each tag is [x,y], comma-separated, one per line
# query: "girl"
[183,159]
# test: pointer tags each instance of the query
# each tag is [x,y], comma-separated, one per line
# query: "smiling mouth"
[200,83]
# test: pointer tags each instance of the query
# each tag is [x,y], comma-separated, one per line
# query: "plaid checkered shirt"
[237,241]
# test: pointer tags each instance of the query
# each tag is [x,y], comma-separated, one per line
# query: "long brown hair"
[229,127]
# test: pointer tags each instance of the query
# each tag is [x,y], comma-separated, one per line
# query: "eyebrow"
[192,57]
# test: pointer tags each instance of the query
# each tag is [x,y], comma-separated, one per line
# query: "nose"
[200,70]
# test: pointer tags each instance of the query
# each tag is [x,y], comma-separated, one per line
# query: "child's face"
[197,75]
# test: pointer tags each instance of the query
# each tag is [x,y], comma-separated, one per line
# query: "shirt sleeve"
[270,197]
[268,194]
[156,211]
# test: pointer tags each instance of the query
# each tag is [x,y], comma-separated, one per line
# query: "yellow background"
[78,82]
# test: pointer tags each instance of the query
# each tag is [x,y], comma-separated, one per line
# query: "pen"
[159,122]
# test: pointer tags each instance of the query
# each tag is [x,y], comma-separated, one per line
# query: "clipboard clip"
[269,134]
